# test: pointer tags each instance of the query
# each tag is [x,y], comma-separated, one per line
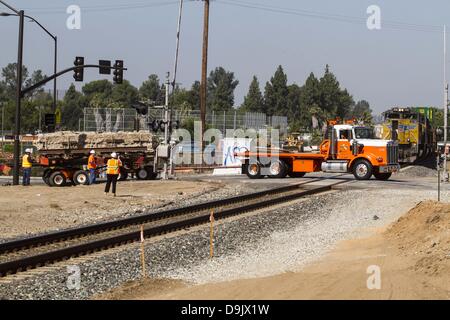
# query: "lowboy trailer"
[65,166]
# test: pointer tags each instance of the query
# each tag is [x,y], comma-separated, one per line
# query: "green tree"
[253,101]
[275,94]
[221,85]
[150,90]
[194,96]
[98,93]
[330,92]
[72,108]
[310,101]
[124,95]
[294,112]
[360,108]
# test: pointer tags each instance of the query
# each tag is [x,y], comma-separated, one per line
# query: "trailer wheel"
[151,175]
[46,176]
[80,177]
[296,174]
[57,179]
[254,171]
[123,175]
[382,176]
[362,169]
[278,169]
[142,174]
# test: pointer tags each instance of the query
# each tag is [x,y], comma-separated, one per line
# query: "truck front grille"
[392,152]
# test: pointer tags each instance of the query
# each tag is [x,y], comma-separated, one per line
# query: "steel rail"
[129,237]
[57,236]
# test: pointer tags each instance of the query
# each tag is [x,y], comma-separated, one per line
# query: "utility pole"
[204,72]
[445,103]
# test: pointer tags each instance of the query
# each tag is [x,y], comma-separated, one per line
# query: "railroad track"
[33,252]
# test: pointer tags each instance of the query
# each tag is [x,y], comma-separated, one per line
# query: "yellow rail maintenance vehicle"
[411,127]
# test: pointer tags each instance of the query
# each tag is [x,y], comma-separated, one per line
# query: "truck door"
[345,138]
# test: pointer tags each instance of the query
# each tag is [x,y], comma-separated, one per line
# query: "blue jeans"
[92,177]
[26,176]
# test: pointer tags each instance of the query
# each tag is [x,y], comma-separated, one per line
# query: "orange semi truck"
[347,148]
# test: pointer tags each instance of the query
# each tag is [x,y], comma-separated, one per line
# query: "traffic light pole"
[18,100]
[166,128]
[54,76]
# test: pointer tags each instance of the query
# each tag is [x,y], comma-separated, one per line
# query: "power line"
[388,24]
[103,8]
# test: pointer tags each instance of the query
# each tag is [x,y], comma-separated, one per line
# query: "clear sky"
[401,64]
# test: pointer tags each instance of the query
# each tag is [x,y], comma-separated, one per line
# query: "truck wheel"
[278,169]
[362,169]
[296,174]
[57,179]
[123,175]
[80,177]
[254,171]
[382,176]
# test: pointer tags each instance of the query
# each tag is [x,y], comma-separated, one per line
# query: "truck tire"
[254,171]
[57,179]
[382,176]
[142,174]
[123,175]
[80,177]
[362,169]
[278,169]
[151,175]
[46,176]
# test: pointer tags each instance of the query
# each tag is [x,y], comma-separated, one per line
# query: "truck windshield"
[364,133]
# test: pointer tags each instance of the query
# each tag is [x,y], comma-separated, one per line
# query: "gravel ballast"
[279,240]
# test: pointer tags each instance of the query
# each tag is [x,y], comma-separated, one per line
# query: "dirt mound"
[424,233]
[86,140]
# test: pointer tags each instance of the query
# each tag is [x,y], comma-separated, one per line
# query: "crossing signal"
[78,73]
[118,72]
[50,122]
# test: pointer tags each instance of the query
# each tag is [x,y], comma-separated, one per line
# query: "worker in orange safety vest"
[92,165]
[112,173]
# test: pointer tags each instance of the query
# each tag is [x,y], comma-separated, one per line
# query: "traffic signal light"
[118,73]
[78,73]
[50,122]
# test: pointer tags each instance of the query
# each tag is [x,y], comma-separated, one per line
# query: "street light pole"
[54,72]
[18,100]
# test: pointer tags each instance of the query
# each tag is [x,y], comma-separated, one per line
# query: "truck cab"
[352,148]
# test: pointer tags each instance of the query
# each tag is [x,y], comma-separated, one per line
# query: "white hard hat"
[29,150]
[114,155]
[92,152]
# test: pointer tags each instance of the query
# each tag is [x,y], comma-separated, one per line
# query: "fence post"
[224,121]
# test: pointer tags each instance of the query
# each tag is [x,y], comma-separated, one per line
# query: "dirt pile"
[418,171]
[424,234]
[87,140]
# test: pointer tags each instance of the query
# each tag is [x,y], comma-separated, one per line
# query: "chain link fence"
[114,120]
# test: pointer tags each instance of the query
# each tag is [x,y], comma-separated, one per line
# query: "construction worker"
[92,165]
[27,163]
[112,173]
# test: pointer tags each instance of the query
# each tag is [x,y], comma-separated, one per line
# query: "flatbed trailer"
[63,166]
